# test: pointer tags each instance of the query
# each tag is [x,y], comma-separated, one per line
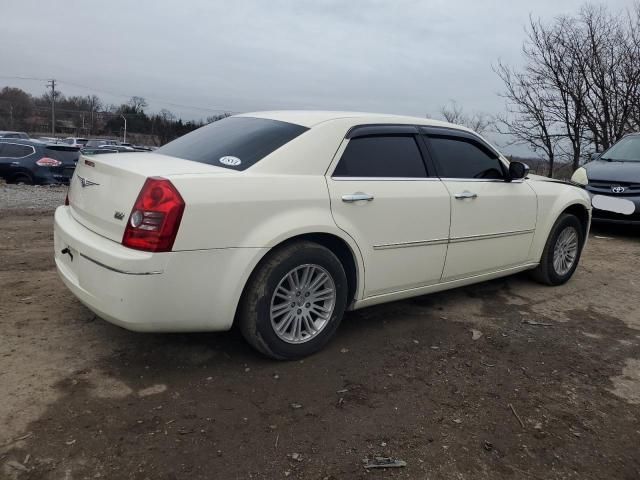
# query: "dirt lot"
[550,390]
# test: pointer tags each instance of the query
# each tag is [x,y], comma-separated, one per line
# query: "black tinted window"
[235,142]
[12,150]
[381,156]
[65,154]
[460,158]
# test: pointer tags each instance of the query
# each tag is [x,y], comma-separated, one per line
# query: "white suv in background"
[76,142]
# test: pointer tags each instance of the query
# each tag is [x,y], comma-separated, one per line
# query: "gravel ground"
[31,197]
[506,379]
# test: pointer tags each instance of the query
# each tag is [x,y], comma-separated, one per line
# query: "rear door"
[13,158]
[492,220]
[383,196]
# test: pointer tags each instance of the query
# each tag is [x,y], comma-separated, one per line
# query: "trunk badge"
[118,215]
[86,183]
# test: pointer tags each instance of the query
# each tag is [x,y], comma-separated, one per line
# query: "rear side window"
[395,156]
[234,142]
[463,158]
[12,150]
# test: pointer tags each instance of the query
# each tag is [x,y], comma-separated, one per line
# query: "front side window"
[395,156]
[463,158]
[234,142]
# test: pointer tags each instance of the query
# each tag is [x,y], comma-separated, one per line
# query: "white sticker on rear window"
[231,161]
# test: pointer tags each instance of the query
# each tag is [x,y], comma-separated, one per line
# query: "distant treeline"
[88,116]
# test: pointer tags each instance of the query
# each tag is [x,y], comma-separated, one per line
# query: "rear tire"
[561,253]
[294,301]
[23,178]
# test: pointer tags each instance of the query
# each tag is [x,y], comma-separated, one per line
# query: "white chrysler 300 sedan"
[281,221]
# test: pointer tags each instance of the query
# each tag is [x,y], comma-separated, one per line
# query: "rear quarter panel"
[254,211]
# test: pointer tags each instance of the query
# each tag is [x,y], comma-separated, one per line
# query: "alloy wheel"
[302,303]
[565,251]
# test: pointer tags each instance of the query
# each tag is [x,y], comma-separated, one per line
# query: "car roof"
[310,118]
[24,141]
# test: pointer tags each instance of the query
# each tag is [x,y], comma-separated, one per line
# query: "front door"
[383,197]
[492,220]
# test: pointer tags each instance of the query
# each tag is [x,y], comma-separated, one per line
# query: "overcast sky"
[395,56]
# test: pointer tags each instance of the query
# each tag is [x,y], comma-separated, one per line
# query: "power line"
[153,99]
[16,77]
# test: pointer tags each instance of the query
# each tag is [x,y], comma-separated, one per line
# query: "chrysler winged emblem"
[86,183]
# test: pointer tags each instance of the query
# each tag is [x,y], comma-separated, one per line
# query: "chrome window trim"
[125,272]
[386,179]
[422,179]
[33,150]
[491,180]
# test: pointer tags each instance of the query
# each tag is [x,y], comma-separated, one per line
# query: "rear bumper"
[53,175]
[154,292]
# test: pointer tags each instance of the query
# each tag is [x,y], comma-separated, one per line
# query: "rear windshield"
[66,155]
[234,142]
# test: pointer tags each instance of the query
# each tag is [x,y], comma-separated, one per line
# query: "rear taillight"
[48,162]
[155,218]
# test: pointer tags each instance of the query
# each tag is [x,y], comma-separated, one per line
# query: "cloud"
[404,56]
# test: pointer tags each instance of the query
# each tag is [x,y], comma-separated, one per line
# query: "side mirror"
[518,170]
[595,156]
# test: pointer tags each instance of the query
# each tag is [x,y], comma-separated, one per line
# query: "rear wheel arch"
[340,249]
[23,176]
[337,245]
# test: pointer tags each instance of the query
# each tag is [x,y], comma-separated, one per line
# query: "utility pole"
[52,83]
[11,117]
[124,140]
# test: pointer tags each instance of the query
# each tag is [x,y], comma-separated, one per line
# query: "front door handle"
[354,197]
[465,194]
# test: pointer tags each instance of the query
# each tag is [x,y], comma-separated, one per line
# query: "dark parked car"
[33,162]
[613,181]
[6,134]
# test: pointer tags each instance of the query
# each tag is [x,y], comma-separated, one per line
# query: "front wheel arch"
[579,211]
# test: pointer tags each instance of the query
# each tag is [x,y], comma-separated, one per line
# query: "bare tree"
[453,113]
[137,104]
[552,60]
[580,84]
[215,118]
[527,120]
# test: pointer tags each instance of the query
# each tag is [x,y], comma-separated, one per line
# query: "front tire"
[562,251]
[294,301]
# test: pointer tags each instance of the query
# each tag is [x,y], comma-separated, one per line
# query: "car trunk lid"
[105,187]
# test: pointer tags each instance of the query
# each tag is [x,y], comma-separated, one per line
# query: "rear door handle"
[354,197]
[465,194]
